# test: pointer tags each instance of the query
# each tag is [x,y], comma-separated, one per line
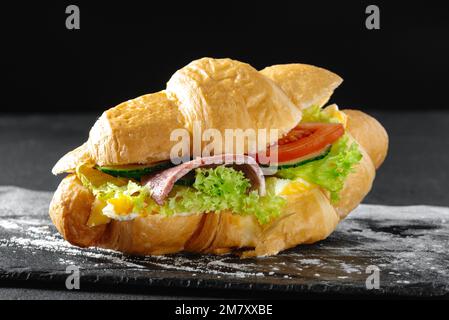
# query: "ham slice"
[161,183]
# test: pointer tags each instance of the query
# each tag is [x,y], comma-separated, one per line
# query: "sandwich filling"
[316,154]
[161,183]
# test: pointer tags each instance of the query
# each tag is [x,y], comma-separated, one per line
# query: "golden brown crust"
[369,133]
[136,131]
[202,238]
[235,231]
[307,218]
[151,235]
[304,84]
[70,209]
[229,94]
[72,159]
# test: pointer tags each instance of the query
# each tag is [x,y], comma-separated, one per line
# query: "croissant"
[220,94]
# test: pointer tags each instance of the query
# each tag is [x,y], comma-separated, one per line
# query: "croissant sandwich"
[141,184]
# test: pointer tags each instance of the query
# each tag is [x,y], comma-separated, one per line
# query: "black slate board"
[408,244]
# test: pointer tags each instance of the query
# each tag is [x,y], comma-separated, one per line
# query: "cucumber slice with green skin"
[138,171]
[135,171]
[303,160]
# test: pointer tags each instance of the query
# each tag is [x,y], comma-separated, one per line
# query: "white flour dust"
[24,224]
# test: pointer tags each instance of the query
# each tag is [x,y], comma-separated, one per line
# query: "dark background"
[129,48]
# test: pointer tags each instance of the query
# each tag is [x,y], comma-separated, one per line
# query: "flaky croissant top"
[220,94]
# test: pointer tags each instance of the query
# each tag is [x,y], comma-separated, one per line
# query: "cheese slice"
[97,217]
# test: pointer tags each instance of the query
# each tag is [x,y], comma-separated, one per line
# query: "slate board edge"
[147,284]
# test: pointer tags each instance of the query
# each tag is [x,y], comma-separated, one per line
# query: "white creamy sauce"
[109,212]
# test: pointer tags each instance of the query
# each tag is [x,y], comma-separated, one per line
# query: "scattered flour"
[24,224]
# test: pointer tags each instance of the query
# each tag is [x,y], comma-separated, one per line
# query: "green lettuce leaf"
[135,193]
[224,188]
[317,114]
[216,189]
[330,172]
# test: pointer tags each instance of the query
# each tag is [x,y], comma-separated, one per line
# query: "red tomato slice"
[308,138]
